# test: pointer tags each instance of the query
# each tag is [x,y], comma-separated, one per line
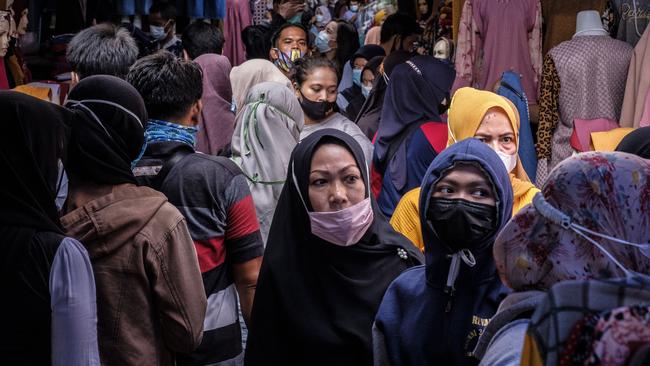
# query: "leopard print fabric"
[549,109]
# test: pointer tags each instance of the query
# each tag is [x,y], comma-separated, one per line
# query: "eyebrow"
[327,171]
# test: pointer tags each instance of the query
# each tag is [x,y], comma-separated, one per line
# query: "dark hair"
[398,24]
[169,85]
[254,38]
[166,10]
[200,38]
[302,67]
[276,35]
[347,41]
[103,49]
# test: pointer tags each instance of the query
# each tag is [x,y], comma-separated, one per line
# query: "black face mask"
[315,110]
[461,224]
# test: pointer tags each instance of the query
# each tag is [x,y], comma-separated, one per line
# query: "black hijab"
[31,144]
[315,301]
[106,138]
[370,113]
[636,142]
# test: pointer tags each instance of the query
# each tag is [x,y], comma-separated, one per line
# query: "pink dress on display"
[238,17]
[497,36]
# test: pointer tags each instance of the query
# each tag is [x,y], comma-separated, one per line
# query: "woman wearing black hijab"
[329,258]
[48,310]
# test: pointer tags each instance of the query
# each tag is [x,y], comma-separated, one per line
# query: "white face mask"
[157,32]
[365,90]
[510,161]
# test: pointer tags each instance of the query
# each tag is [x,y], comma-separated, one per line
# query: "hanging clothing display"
[582,78]
[497,36]
[638,84]
[237,18]
[560,19]
[630,19]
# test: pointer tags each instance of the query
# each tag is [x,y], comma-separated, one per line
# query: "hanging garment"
[636,97]
[631,19]
[238,16]
[497,36]
[560,19]
[582,78]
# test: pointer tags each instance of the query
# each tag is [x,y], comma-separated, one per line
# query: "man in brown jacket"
[150,296]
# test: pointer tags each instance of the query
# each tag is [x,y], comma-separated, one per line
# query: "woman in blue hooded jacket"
[434,314]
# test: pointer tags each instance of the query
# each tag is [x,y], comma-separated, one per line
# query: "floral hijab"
[608,193]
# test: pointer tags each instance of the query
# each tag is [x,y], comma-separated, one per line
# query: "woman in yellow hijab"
[492,119]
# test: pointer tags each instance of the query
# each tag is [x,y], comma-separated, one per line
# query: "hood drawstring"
[466,256]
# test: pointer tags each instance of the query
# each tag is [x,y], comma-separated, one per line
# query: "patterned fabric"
[549,110]
[605,192]
[560,19]
[593,72]
[569,302]
[618,334]
[579,341]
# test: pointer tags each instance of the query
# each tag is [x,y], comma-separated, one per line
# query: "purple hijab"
[415,90]
[218,121]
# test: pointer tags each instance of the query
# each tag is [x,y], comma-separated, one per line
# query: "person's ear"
[273,54]
[296,90]
[170,25]
[196,111]
[74,79]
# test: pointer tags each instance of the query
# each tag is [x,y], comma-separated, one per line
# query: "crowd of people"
[335,197]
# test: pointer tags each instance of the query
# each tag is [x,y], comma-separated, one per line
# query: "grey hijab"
[266,131]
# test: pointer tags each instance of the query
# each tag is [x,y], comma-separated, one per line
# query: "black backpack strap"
[167,167]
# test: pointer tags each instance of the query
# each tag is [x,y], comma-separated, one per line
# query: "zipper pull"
[449,291]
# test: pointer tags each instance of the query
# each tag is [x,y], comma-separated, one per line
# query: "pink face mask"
[344,227]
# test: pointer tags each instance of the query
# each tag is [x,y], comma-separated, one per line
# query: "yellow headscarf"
[467,109]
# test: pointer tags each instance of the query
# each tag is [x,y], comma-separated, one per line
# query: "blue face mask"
[157,32]
[323,42]
[356,77]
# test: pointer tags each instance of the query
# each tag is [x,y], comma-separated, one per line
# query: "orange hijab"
[468,107]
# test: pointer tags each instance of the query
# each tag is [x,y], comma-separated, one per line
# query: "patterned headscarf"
[608,193]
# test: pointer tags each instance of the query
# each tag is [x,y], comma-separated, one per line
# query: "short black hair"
[200,38]
[302,67]
[167,10]
[284,26]
[169,85]
[254,38]
[103,49]
[399,24]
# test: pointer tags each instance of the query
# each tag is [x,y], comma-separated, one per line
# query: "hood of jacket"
[103,225]
[437,253]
